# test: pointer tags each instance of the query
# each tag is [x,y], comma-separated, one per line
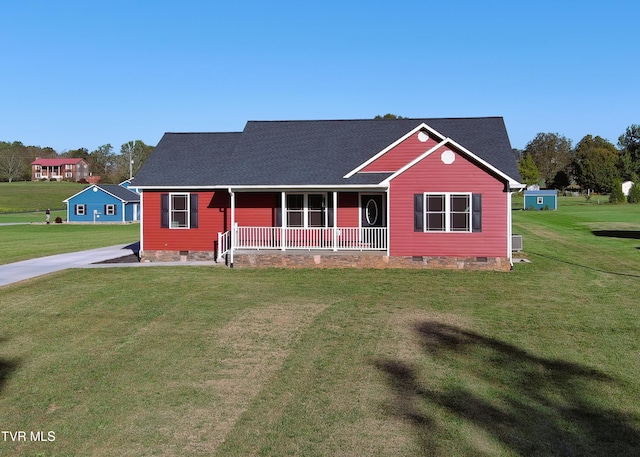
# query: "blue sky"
[82,73]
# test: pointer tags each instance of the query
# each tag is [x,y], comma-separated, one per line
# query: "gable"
[448,152]
[400,153]
[106,193]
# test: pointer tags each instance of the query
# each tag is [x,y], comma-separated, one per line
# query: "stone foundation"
[264,259]
[176,256]
[306,259]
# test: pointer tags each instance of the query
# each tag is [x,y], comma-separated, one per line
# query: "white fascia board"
[422,126]
[181,187]
[78,193]
[416,160]
[325,187]
[513,184]
[269,188]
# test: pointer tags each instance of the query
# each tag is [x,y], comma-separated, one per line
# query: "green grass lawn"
[35,196]
[201,361]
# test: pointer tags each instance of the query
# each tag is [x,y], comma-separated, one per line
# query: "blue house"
[541,199]
[103,203]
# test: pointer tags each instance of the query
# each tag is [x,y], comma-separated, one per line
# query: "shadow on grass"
[628,234]
[532,405]
[7,367]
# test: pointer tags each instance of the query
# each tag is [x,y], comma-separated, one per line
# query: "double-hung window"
[295,210]
[306,210]
[447,212]
[80,210]
[179,210]
[110,210]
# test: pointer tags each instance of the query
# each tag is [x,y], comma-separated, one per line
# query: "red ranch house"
[426,193]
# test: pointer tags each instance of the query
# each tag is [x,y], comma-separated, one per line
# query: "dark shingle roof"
[188,159]
[284,153]
[122,193]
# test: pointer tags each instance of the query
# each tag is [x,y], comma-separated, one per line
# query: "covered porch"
[303,220]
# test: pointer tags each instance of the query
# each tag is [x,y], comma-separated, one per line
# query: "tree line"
[593,165]
[16,158]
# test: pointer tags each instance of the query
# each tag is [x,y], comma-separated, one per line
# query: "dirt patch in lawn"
[254,347]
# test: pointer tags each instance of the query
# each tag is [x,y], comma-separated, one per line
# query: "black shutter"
[75,210]
[330,209]
[476,213]
[418,212]
[194,210]
[164,211]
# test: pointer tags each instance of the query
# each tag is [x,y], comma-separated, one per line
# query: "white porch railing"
[224,244]
[336,239]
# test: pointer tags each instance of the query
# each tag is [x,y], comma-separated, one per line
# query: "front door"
[372,210]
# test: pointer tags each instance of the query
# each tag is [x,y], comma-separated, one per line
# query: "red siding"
[256,209]
[348,210]
[400,155]
[432,175]
[212,211]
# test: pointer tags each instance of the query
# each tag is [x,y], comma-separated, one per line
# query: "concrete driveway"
[19,271]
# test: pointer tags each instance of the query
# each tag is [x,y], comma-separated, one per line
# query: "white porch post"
[283,204]
[509,228]
[335,220]
[388,234]
[233,226]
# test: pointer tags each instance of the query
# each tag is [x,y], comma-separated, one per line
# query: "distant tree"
[12,163]
[528,170]
[561,180]
[80,153]
[16,158]
[102,162]
[132,155]
[625,165]
[616,195]
[551,153]
[629,144]
[595,164]
[634,193]
[389,116]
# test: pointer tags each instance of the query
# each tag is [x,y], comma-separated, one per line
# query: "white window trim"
[447,212]
[187,195]
[540,200]
[305,210]
[81,209]
[110,210]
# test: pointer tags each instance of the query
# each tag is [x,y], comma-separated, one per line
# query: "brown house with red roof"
[68,169]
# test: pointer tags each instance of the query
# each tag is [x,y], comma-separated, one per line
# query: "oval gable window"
[372,212]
